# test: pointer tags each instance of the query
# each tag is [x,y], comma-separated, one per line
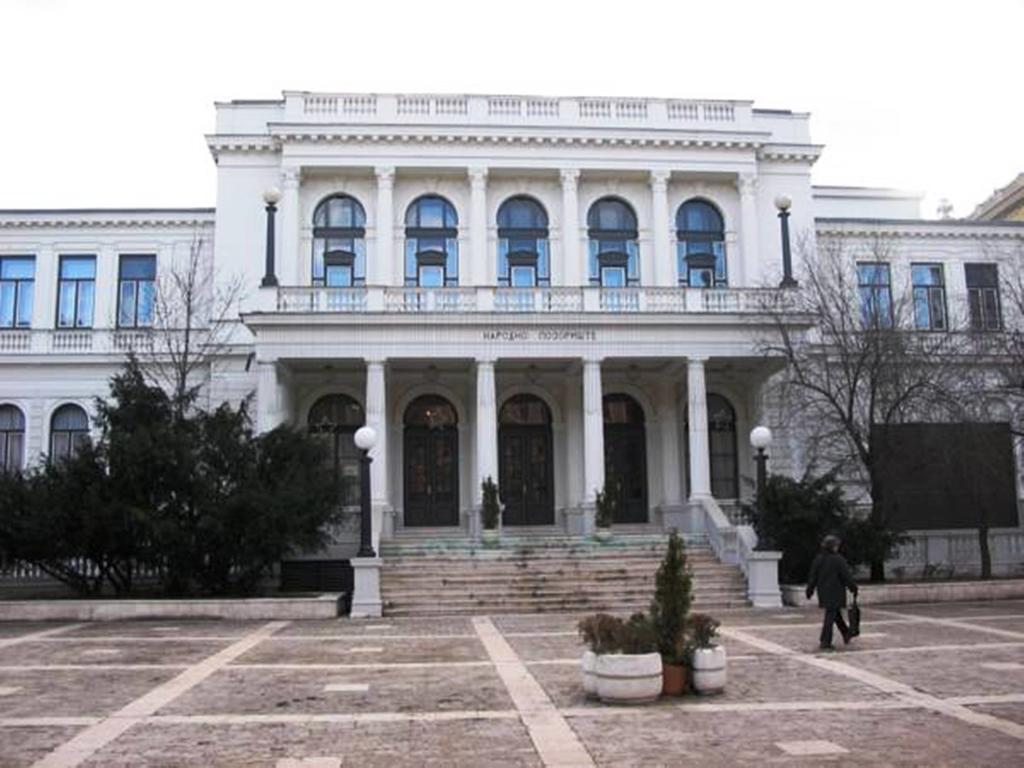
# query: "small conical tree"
[673,594]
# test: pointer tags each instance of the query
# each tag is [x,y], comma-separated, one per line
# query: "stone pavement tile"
[877,637]
[166,628]
[544,622]
[946,673]
[1012,712]
[74,693]
[468,744]
[273,691]
[955,609]
[398,626]
[356,651]
[537,648]
[23,745]
[128,652]
[890,738]
[9,629]
[1009,625]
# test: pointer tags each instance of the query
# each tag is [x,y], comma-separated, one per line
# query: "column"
[380,265]
[486,427]
[270,397]
[571,264]
[669,427]
[697,402]
[477,266]
[663,272]
[288,268]
[751,270]
[376,417]
[593,432]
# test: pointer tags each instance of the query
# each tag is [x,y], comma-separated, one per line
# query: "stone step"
[565,554]
[581,606]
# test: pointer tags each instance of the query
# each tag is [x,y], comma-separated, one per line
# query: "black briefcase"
[854,622]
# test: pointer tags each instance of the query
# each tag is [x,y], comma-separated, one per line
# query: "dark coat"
[830,576]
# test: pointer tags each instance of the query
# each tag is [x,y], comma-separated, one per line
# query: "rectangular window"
[17,279]
[136,289]
[929,297]
[983,296]
[76,291]
[875,291]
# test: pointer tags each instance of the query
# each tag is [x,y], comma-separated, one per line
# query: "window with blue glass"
[136,290]
[17,281]
[431,243]
[700,245]
[874,288]
[614,256]
[339,242]
[929,297]
[523,258]
[76,291]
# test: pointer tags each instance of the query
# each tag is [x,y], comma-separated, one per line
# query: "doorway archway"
[525,461]
[625,456]
[431,462]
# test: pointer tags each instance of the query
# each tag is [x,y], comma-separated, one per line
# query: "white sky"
[105,103]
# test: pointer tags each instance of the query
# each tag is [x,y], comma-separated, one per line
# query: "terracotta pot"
[673,679]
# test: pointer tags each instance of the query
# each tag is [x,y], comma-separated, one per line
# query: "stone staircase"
[541,572]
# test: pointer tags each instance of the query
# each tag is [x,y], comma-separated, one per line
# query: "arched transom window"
[431,243]
[69,430]
[335,419]
[700,234]
[611,227]
[523,259]
[12,437]
[339,242]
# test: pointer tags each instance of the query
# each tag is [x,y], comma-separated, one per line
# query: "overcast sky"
[105,103]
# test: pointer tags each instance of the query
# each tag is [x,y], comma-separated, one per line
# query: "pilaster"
[746,183]
[376,417]
[44,291]
[486,427]
[663,272]
[571,263]
[380,264]
[271,398]
[477,266]
[288,267]
[697,403]
[593,431]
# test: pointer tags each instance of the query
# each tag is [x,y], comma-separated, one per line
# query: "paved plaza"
[924,685]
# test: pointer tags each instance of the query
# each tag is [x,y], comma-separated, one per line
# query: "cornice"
[790,153]
[920,229]
[106,219]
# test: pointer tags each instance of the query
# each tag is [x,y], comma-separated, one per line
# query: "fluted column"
[593,431]
[376,417]
[571,264]
[486,427]
[697,403]
[477,266]
[663,272]
[381,267]
[288,215]
[747,185]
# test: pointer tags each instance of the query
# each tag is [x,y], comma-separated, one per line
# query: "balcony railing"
[302,299]
[75,341]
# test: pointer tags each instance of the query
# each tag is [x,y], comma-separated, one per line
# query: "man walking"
[830,575]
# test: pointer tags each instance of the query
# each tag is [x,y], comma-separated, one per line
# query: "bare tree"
[194,317]
[855,363]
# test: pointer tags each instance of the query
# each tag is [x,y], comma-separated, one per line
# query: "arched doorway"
[526,467]
[431,456]
[722,448]
[335,419]
[625,456]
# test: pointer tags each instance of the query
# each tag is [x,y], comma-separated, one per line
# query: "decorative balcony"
[60,341]
[303,299]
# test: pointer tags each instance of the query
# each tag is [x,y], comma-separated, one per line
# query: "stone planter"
[709,670]
[489,536]
[602,534]
[587,665]
[628,678]
[795,595]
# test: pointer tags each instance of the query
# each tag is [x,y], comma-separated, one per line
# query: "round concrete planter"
[709,670]
[587,665]
[602,534]
[628,678]
[490,536]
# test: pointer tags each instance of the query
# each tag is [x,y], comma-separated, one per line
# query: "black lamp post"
[783,203]
[365,439]
[761,438]
[270,197]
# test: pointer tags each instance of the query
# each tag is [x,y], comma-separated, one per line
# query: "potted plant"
[600,633]
[673,595]
[631,674]
[707,658]
[604,512]
[490,510]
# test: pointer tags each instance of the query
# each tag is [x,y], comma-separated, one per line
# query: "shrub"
[673,595]
[490,509]
[606,504]
[637,635]
[703,630]
[608,634]
[600,632]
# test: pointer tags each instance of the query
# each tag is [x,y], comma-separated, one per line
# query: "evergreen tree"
[673,595]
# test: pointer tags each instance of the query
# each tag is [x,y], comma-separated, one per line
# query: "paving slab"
[957,609]
[947,673]
[165,628]
[467,744]
[24,745]
[1006,625]
[881,637]
[11,629]
[356,651]
[1011,712]
[388,625]
[127,652]
[273,691]
[68,693]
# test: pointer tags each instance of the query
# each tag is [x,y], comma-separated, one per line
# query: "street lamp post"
[270,196]
[783,203]
[761,438]
[365,439]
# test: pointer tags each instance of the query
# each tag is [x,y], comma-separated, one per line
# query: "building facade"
[551,292]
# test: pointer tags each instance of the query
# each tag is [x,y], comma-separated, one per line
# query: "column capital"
[485,361]
[659,179]
[593,360]
[570,177]
[477,175]
[746,182]
[290,176]
[696,360]
[375,361]
[385,174]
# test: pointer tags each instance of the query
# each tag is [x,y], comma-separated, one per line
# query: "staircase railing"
[737,545]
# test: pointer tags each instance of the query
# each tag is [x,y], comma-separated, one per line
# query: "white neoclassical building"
[545,291]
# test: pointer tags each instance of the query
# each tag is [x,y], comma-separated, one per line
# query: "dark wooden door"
[625,464]
[431,476]
[526,475]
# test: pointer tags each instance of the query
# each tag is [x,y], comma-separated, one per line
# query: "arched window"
[12,437]
[69,430]
[431,244]
[523,260]
[700,235]
[339,242]
[431,411]
[722,448]
[611,227]
[335,419]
